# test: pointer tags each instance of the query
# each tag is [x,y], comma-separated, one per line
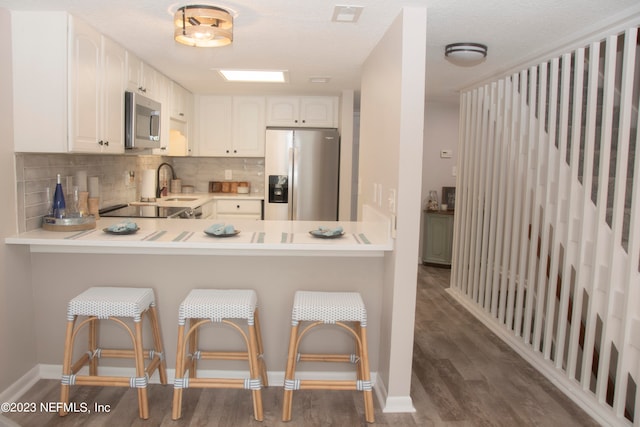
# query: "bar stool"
[203,306]
[335,308]
[113,303]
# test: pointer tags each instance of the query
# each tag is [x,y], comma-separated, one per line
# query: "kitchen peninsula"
[173,256]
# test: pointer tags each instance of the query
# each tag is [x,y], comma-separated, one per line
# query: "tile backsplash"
[35,173]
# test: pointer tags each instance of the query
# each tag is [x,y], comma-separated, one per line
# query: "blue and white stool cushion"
[328,307]
[218,304]
[104,302]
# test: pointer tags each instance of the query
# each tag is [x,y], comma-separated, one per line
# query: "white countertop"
[187,237]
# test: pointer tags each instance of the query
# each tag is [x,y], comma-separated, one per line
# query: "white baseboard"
[570,388]
[392,404]
[24,383]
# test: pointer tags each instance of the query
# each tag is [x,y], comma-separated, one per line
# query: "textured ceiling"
[299,36]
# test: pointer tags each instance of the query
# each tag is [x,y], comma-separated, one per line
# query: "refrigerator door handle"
[290,183]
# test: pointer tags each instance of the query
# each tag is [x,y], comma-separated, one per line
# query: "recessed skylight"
[256,76]
[346,13]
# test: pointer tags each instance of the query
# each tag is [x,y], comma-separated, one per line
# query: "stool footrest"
[133,382]
[328,385]
[220,355]
[338,358]
[244,383]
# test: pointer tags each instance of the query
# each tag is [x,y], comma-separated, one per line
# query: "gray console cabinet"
[438,238]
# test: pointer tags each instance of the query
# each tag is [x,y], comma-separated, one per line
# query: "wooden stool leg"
[66,364]
[192,363]
[157,343]
[177,391]
[290,373]
[138,352]
[93,346]
[263,364]
[254,372]
[366,376]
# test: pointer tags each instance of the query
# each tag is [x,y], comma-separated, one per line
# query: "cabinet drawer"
[239,207]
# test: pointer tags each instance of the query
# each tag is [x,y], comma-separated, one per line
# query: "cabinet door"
[178,103]
[248,126]
[214,125]
[113,85]
[85,87]
[283,111]
[134,73]
[318,111]
[438,238]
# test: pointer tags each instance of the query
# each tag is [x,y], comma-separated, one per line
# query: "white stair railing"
[547,227]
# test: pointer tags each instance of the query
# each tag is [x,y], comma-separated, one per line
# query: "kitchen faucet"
[173,176]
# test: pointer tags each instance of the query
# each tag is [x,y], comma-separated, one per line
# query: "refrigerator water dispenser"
[278,188]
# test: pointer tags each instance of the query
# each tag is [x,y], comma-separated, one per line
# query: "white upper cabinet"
[142,78]
[302,111]
[181,100]
[248,126]
[96,91]
[214,125]
[230,126]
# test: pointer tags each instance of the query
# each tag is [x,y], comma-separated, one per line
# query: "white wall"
[440,133]
[17,334]
[391,139]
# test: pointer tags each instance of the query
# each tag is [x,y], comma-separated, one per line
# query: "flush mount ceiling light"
[346,13]
[203,26]
[255,76]
[465,54]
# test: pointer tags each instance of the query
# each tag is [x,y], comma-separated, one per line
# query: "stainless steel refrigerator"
[302,174]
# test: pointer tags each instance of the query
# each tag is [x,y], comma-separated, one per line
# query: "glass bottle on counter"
[59,206]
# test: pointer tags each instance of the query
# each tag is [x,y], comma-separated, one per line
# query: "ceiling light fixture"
[465,54]
[255,76]
[203,26]
[349,14]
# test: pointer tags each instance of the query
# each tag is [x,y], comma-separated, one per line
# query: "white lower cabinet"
[238,209]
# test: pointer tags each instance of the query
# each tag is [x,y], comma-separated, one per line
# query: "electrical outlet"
[454,171]
[392,200]
[446,154]
[228,174]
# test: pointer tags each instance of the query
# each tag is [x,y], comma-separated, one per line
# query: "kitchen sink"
[180,199]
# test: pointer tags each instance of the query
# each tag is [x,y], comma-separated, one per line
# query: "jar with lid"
[432,201]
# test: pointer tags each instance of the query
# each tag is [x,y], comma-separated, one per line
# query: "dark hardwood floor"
[463,375]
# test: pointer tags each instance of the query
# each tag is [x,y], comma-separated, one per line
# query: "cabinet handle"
[181,114]
[237,206]
[235,151]
[295,121]
[101,142]
[106,143]
[227,151]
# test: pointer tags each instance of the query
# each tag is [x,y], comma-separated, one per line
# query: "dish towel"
[221,229]
[325,231]
[123,226]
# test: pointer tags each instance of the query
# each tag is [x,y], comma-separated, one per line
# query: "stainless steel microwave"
[141,122]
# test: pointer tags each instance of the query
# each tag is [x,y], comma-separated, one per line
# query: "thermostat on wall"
[446,154]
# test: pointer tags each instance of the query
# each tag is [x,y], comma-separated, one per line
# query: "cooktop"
[132,211]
